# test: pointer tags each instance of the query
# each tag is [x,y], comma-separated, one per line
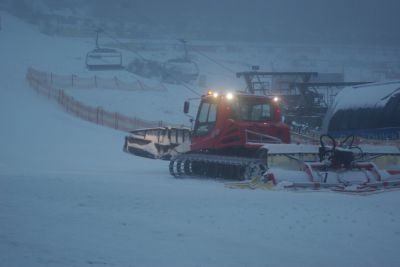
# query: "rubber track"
[217,166]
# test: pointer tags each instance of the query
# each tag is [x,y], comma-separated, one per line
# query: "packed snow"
[69,196]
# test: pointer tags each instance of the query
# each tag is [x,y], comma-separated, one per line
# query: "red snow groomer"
[241,137]
[226,141]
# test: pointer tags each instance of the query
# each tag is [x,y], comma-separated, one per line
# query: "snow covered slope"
[69,196]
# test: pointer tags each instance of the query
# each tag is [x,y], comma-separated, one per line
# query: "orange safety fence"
[94,82]
[40,83]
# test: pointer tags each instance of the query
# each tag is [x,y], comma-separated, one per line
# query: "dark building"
[369,111]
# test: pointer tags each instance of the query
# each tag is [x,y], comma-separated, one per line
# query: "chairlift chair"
[103,58]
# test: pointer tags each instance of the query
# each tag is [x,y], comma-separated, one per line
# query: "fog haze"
[308,21]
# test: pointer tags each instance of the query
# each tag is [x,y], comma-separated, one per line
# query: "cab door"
[202,137]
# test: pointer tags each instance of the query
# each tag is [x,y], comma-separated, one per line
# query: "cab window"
[250,111]
[206,118]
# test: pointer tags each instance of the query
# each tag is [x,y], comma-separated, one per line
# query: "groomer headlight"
[276,99]
[229,96]
[212,93]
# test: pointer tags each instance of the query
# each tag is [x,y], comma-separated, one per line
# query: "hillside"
[69,196]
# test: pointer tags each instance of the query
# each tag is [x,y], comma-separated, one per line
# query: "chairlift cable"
[143,58]
[214,61]
[123,45]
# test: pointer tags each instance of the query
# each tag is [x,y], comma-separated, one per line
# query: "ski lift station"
[369,110]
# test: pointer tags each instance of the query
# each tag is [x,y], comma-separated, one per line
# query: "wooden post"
[66,103]
[116,81]
[59,97]
[140,84]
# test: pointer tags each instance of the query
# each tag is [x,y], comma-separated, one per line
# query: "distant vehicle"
[176,70]
[180,70]
[146,68]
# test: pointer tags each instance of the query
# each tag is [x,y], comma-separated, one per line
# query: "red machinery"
[234,121]
[241,136]
[227,139]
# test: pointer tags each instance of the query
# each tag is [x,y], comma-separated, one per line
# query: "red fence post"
[40,83]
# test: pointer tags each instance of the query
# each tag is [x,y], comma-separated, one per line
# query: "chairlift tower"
[98,31]
[184,42]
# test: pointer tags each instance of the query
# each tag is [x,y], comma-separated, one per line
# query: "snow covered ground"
[69,196]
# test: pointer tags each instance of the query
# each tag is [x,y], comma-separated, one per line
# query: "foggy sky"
[359,21]
[303,21]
